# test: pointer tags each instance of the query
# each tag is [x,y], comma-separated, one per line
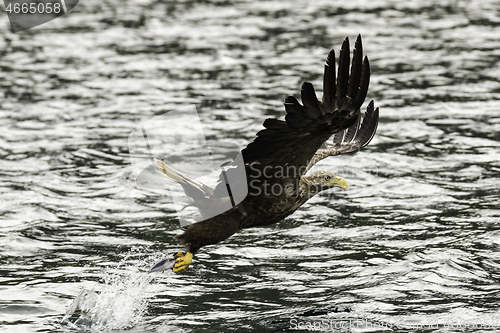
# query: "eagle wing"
[359,135]
[289,145]
[352,139]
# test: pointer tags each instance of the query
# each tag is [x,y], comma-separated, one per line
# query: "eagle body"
[253,211]
[277,161]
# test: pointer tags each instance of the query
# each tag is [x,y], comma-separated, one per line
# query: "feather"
[343,78]
[311,105]
[371,125]
[329,79]
[295,120]
[292,105]
[338,137]
[351,132]
[363,85]
[357,61]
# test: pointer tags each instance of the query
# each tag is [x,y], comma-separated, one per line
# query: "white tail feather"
[174,175]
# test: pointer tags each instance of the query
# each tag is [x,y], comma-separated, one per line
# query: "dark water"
[414,242]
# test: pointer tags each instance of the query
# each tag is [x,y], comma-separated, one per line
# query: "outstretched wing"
[351,140]
[285,147]
[356,137]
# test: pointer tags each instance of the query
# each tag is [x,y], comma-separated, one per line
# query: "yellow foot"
[182,262]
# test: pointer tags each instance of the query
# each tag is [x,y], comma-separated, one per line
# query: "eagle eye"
[327,177]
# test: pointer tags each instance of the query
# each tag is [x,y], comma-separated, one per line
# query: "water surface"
[413,242]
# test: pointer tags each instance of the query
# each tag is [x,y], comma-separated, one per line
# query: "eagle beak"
[338,182]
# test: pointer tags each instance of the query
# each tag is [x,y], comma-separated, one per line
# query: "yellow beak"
[339,182]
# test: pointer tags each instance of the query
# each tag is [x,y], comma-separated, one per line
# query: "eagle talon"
[182,262]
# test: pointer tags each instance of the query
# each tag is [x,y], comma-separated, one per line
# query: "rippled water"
[413,242]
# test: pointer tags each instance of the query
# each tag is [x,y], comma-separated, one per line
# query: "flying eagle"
[291,146]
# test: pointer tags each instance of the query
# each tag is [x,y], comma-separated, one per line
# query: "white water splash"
[119,302]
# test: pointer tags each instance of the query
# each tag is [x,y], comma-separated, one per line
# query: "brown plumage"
[283,152]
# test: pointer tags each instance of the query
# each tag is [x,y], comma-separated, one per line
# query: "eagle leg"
[182,262]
